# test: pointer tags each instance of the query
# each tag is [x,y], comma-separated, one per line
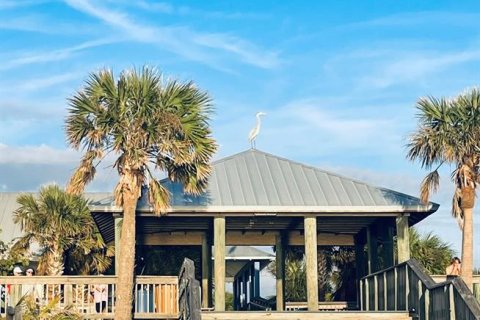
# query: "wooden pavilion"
[259,199]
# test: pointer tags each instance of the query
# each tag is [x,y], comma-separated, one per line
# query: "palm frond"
[429,184]
[158,196]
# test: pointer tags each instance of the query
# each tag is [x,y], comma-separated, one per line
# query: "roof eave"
[266,210]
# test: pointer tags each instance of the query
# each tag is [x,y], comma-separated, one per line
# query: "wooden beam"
[206,269]
[310,223]
[219,255]
[403,239]
[280,271]
[241,238]
[117,224]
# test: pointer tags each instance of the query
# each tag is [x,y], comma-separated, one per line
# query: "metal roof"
[8,204]
[256,181]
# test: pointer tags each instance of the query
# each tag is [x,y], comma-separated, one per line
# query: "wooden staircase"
[299,315]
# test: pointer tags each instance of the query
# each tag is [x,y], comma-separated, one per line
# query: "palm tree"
[433,253]
[449,133]
[146,123]
[59,223]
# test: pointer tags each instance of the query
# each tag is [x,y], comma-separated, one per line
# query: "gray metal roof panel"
[257,179]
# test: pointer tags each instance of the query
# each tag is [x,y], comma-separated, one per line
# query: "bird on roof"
[254,132]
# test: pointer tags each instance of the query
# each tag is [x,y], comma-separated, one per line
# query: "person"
[14,293]
[455,267]
[100,297]
[35,290]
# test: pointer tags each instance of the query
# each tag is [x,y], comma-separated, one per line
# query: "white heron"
[254,132]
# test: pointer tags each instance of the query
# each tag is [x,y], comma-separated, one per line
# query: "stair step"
[305,315]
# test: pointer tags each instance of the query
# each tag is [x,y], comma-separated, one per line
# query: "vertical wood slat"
[367,296]
[427,304]
[395,277]
[375,292]
[451,303]
[385,291]
[362,304]
[407,288]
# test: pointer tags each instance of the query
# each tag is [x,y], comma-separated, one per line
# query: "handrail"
[154,296]
[407,286]
[188,293]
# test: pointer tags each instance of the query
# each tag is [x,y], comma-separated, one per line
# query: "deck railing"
[406,286]
[476,283]
[154,296]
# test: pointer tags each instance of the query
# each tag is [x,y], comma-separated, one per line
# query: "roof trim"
[431,207]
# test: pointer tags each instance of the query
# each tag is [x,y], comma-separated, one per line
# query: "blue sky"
[337,79]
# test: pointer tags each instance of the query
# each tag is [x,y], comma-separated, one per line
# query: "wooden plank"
[324,315]
[219,255]
[311,261]
[451,302]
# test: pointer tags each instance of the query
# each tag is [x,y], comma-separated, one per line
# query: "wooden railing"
[188,292]
[476,283]
[154,297]
[407,287]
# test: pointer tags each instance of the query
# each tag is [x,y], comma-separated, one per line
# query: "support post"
[117,224]
[280,271]
[252,281]
[206,269]
[219,248]
[360,240]
[403,239]
[235,294]
[310,225]
[388,256]
[257,279]
[372,244]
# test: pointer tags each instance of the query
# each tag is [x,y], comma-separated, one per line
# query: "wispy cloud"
[190,44]
[414,19]
[55,55]
[35,84]
[401,68]
[41,154]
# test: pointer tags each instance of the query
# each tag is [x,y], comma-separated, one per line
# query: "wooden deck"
[321,315]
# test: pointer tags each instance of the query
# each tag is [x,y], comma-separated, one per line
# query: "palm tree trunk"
[56,266]
[467,247]
[125,278]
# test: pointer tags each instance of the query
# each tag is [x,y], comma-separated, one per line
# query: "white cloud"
[190,44]
[29,85]
[50,56]
[405,67]
[41,154]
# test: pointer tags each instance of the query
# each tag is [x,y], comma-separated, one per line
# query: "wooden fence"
[154,297]
[406,286]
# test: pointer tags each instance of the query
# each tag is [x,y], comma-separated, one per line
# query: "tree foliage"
[10,258]
[449,133]
[61,226]
[146,123]
[433,253]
